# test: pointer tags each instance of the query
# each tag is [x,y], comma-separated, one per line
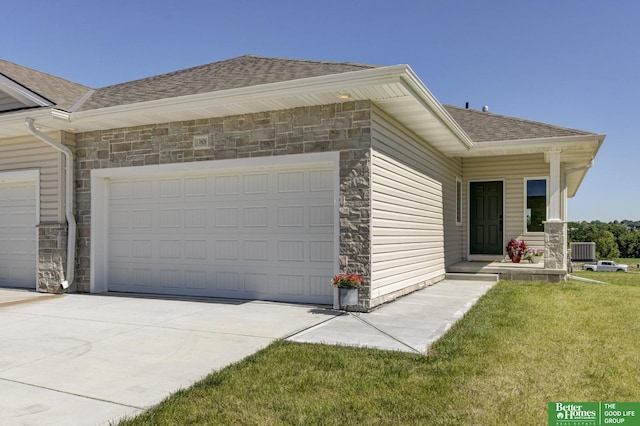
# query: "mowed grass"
[523,345]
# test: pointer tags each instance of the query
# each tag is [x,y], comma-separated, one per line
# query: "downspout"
[71,221]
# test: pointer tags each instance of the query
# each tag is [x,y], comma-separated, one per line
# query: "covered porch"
[516,182]
[507,270]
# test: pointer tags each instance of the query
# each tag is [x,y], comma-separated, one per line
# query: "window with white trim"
[458,201]
[535,204]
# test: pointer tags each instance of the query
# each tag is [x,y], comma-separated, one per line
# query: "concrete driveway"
[92,359]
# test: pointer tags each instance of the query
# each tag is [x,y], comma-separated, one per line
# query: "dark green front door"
[485,213]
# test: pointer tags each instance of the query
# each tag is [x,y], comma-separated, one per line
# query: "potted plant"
[348,285]
[532,255]
[515,250]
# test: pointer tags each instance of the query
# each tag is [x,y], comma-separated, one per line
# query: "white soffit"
[396,90]
[12,124]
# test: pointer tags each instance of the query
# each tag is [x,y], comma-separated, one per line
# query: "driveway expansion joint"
[73,394]
[319,324]
[358,317]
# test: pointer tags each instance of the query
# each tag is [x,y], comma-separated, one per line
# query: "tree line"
[613,240]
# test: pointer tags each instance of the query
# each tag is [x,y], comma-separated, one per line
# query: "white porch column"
[555,206]
[555,228]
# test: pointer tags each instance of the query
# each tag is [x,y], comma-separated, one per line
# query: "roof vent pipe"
[71,221]
[466,105]
[485,108]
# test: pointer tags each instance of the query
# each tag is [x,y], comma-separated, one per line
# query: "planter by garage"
[348,296]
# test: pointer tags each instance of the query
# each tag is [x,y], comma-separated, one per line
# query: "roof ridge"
[521,120]
[312,61]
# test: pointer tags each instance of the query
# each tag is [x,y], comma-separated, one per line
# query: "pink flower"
[347,280]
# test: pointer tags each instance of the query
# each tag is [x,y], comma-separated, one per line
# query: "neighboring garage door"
[265,234]
[18,263]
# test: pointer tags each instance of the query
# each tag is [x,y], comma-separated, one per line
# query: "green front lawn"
[523,345]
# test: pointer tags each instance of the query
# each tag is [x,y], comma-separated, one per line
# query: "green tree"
[618,230]
[581,232]
[629,245]
[613,239]
[607,246]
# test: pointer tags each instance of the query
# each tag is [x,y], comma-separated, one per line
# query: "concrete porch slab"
[510,271]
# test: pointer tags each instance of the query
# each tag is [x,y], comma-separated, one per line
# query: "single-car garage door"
[18,263]
[265,234]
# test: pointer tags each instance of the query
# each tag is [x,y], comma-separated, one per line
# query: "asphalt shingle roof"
[62,93]
[485,126]
[243,71]
[250,70]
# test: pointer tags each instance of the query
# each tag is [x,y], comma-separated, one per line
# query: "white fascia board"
[21,93]
[401,75]
[429,101]
[523,146]
[333,82]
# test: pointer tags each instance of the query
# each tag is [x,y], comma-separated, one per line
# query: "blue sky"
[573,63]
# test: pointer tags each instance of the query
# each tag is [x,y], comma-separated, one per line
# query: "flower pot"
[348,296]
[516,259]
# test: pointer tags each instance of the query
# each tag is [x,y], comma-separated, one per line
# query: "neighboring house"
[261,178]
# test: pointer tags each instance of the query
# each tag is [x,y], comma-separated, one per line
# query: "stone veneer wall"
[344,127]
[355,218]
[555,245]
[52,257]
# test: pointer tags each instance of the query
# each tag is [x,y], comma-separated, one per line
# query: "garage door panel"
[255,184]
[18,234]
[250,283]
[169,278]
[321,251]
[195,279]
[241,235]
[291,182]
[318,286]
[321,181]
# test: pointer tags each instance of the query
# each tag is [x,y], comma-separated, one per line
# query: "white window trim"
[524,202]
[459,200]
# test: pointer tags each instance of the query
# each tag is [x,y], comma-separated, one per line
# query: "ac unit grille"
[583,251]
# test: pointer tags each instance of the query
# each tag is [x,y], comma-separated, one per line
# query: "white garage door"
[18,261]
[252,235]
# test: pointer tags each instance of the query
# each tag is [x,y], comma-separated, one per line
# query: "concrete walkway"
[409,324]
[81,359]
